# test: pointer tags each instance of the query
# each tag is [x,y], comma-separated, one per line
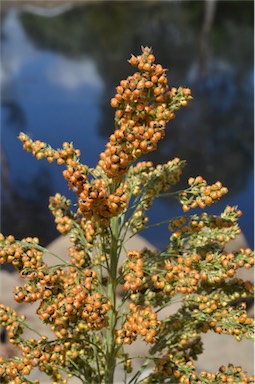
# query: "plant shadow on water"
[60,68]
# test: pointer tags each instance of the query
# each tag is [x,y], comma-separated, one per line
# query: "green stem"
[111,292]
[138,374]
[25,325]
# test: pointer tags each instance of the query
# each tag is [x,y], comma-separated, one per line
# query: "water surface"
[60,66]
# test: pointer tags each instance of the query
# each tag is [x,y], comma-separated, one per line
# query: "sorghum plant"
[77,298]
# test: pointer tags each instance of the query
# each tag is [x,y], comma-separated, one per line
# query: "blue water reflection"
[56,95]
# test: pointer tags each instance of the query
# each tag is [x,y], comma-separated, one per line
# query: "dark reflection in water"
[61,63]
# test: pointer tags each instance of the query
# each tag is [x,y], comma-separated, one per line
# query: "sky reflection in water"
[56,96]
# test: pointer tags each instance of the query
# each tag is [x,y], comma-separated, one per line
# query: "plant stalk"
[111,292]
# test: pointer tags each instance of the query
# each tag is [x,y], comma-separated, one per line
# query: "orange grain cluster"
[95,201]
[9,319]
[142,321]
[144,104]
[134,277]
[71,305]
[66,295]
[184,371]
[189,272]
[15,370]
[201,194]
[22,254]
